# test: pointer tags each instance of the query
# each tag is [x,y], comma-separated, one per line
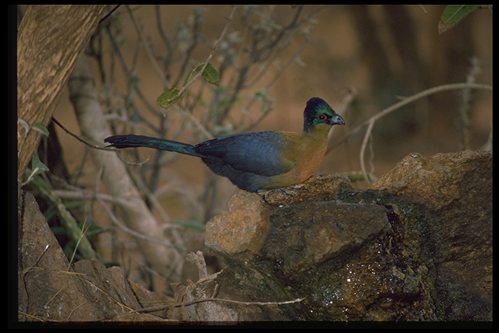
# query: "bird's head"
[319,113]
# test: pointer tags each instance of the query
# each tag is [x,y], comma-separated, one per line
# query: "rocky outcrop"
[416,246]
[52,290]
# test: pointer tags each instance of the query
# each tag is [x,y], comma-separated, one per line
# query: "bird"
[257,161]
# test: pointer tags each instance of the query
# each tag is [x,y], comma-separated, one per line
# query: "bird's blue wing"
[261,153]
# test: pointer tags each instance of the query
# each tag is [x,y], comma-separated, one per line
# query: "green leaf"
[210,74]
[168,98]
[40,128]
[453,14]
[37,165]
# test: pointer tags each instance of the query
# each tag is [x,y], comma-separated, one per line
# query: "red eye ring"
[322,117]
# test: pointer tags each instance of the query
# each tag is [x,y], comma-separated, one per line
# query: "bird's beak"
[336,120]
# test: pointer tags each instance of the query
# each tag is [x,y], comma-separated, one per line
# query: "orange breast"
[307,153]
[310,162]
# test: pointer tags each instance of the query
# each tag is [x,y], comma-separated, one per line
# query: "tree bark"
[50,40]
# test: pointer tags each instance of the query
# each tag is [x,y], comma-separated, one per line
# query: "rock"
[324,187]
[247,223]
[456,189]
[306,234]
[243,228]
[417,246]
[52,290]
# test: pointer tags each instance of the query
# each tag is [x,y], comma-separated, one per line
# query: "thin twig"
[202,300]
[201,127]
[130,231]
[424,93]
[118,302]
[162,33]
[161,75]
[178,242]
[187,54]
[268,85]
[362,150]
[129,75]
[52,298]
[407,101]
[37,260]
[109,13]
[76,308]
[464,109]
[341,107]
[207,61]
[95,146]
[78,138]
[151,197]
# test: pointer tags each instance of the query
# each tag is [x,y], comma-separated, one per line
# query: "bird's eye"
[323,117]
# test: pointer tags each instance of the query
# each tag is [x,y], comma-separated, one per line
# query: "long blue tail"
[131,140]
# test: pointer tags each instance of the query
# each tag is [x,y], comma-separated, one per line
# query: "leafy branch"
[204,69]
[453,14]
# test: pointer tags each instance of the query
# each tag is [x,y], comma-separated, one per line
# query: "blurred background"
[271,60]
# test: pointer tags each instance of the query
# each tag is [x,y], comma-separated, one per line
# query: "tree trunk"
[50,40]
[161,253]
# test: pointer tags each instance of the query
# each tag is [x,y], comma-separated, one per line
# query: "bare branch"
[413,98]
[370,122]
[77,137]
[148,50]
[202,300]
[464,109]
[363,149]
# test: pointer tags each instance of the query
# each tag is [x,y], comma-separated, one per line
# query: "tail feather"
[131,140]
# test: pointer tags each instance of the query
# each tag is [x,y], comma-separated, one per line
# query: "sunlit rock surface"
[417,246]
